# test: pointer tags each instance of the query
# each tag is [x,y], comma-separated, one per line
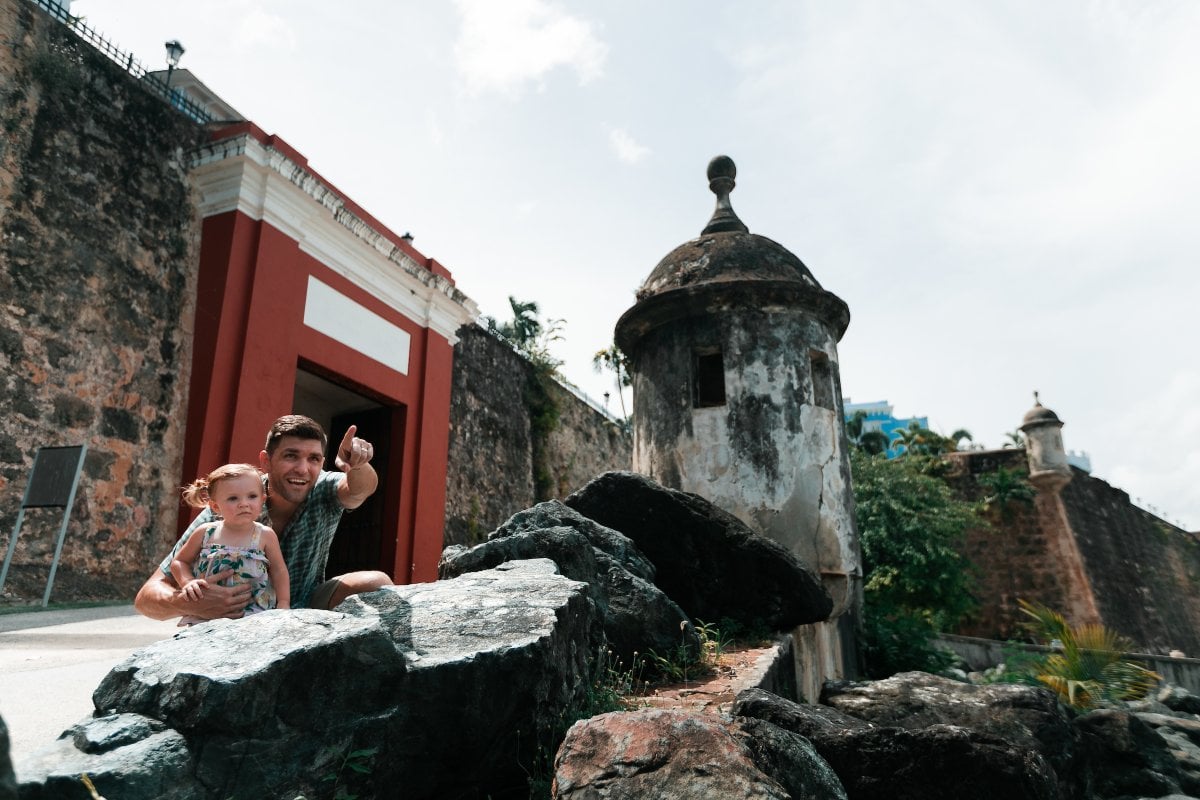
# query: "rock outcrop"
[1123,757]
[1179,699]
[8,781]
[706,560]
[1026,716]
[636,616]
[679,755]
[877,762]
[462,688]
[1182,737]
[442,689]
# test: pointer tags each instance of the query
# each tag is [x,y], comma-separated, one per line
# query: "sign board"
[52,484]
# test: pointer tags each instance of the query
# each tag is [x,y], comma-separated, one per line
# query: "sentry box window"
[708,384]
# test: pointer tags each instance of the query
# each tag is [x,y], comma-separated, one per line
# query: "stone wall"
[98,251]
[1087,552]
[1144,572]
[1013,556]
[495,466]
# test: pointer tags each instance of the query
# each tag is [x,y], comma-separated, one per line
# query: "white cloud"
[1157,440]
[259,28]
[504,45]
[626,147]
[434,125]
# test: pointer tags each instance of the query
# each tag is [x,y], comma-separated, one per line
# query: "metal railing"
[152,83]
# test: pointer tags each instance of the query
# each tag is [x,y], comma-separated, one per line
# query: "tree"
[918,440]
[870,442]
[916,582]
[528,334]
[958,436]
[1006,491]
[524,327]
[612,358]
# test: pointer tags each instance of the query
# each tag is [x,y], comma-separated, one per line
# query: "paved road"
[52,660]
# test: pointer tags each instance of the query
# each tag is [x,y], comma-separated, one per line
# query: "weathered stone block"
[636,616]
[450,686]
[706,560]
[1026,716]
[679,755]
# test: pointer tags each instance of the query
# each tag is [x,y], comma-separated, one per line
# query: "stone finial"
[721,172]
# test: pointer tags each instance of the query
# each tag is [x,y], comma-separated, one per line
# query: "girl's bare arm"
[276,569]
[181,566]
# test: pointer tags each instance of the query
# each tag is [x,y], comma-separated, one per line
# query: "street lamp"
[174,53]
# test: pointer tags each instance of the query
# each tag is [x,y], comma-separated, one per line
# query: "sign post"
[52,484]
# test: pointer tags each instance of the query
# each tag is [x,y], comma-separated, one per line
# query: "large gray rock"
[636,615]
[707,560]
[790,759]
[125,756]
[448,687]
[1182,737]
[1125,757]
[8,781]
[554,514]
[1026,716]
[680,755]
[811,721]
[1178,699]
[941,762]
[875,762]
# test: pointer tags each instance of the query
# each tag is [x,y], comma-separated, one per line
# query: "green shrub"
[902,642]
[1090,669]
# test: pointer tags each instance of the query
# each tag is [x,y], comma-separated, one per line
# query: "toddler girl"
[236,541]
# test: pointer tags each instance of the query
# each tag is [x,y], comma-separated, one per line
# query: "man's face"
[293,468]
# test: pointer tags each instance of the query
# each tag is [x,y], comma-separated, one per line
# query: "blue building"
[880,417]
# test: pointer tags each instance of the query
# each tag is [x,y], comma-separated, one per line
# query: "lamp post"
[174,53]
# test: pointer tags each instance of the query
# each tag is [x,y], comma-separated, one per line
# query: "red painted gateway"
[307,304]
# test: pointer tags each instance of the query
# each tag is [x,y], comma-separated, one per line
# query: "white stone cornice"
[242,174]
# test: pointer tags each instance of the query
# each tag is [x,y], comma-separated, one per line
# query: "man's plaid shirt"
[305,542]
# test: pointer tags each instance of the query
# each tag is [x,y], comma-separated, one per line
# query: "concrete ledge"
[981,654]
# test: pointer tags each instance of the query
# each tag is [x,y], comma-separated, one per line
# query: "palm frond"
[1091,666]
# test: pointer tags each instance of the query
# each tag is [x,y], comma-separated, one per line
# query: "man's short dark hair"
[297,425]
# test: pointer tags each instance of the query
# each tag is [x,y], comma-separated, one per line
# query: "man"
[304,505]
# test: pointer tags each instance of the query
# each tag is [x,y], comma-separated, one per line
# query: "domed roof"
[727,256]
[1039,415]
[726,267]
[725,251]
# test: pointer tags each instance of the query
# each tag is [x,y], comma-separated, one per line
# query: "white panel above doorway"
[332,313]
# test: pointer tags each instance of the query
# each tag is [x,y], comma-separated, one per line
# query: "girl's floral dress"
[249,565]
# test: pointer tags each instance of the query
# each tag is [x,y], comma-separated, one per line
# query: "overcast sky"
[1006,194]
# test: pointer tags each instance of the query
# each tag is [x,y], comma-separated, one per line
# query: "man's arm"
[160,598]
[359,480]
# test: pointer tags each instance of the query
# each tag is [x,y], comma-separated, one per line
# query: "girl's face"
[237,499]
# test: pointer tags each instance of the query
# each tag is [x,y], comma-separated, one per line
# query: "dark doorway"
[361,542]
